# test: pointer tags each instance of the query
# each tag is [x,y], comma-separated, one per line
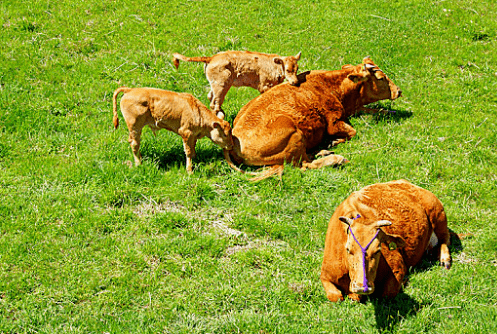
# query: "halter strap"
[364,249]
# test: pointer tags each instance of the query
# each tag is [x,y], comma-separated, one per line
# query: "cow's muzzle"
[360,289]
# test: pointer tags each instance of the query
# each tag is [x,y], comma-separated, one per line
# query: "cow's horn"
[368,66]
[298,55]
[346,220]
[382,223]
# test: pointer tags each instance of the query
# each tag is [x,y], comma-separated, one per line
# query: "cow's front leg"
[395,277]
[189,142]
[332,292]
[341,130]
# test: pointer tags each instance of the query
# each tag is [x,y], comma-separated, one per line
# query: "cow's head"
[290,67]
[363,248]
[377,86]
[221,134]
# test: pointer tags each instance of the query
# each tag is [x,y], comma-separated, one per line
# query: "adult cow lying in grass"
[376,234]
[181,113]
[243,68]
[288,121]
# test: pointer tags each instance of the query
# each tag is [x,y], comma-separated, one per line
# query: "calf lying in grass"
[243,68]
[181,113]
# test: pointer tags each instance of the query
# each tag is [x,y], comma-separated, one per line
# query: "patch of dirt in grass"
[151,207]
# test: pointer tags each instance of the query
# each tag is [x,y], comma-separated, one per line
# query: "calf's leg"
[134,142]
[189,142]
[221,83]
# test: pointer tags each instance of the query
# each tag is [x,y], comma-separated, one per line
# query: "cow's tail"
[115,119]
[177,57]
[274,169]
[232,165]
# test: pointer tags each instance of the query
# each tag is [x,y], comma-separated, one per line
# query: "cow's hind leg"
[221,83]
[442,233]
[134,142]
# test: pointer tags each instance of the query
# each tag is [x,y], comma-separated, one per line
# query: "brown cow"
[243,68]
[287,122]
[180,113]
[376,235]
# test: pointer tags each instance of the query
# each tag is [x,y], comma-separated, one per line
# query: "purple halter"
[365,282]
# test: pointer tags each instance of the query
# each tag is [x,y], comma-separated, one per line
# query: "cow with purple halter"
[376,235]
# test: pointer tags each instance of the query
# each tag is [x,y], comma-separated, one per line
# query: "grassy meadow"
[89,245]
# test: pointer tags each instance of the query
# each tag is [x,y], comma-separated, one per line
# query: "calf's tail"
[115,120]
[177,57]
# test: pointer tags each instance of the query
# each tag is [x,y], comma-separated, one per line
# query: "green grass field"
[89,245]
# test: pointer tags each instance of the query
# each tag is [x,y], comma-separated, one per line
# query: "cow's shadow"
[384,112]
[388,313]
[173,156]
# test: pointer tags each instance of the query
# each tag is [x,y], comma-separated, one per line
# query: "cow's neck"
[353,96]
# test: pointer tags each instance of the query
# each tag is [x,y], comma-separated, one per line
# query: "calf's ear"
[278,60]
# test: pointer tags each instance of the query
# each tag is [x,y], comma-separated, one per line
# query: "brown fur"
[288,121]
[243,68]
[412,215]
[180,113]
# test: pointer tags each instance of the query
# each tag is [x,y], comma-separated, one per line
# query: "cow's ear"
[357,77]
[216,124]
[393,241]
[345,220]
[278,60]
[379,74]
[297,57]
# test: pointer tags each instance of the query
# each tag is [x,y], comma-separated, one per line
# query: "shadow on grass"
[384,112]
[174,156]
[389,313]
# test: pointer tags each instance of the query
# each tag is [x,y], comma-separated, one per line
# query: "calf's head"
[290,67]
[220,134]
[363,251]
[377,86]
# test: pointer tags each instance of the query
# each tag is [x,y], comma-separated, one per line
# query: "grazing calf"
[243,68]
[289,121]
[376,234]
[180,113]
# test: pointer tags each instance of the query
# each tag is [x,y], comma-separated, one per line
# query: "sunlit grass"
[88,244]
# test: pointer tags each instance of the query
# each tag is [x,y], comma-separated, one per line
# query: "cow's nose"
[359,288]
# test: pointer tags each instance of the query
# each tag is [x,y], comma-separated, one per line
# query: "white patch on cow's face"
[357,262]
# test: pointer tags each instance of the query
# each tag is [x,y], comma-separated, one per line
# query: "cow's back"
[305,104]
[409,208]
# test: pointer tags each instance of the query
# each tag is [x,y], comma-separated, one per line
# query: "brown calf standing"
[243,68]
[376,235]
[180,113]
